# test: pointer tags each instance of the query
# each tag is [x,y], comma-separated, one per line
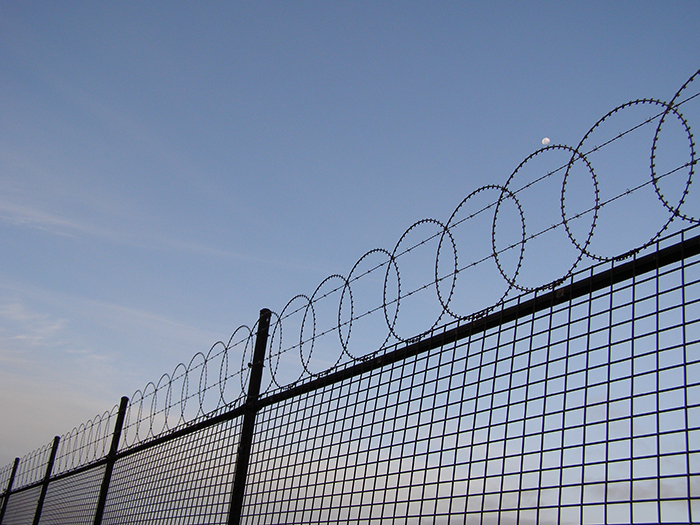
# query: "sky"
[167,169]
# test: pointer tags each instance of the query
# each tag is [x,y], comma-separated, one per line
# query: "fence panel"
[7,475]
[21,507]
[574,408]
[586,412]
[577,402]
[185,480]
[73,499]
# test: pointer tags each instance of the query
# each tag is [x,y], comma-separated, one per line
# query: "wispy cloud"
[54,224]
[57,348]
[32,218]
[71,303]
[22,328]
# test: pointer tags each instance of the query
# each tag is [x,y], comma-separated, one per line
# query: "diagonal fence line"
[445,335]
[615,275]
[603,276]
[83,444]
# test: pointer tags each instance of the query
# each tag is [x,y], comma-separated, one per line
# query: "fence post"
[248,426]
[9,488]
[47,478]
[111,460]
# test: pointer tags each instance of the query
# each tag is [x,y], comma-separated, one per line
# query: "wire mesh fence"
[22,507]
[580,405]
[587,411]
[183,480]
[564,396]
[73,499]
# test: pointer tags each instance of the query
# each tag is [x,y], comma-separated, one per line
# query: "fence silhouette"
[507,386]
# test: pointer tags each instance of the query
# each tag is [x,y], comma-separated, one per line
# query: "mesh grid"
[186,480]
[588,412]
[585,412]
[5,474]
[73,500]
[21,507]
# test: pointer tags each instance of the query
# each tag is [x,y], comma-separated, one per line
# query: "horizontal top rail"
[606,278]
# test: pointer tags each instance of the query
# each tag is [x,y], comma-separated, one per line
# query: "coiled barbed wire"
[207,385]
[191,392]
[86,443]
[444,283]
[32,467]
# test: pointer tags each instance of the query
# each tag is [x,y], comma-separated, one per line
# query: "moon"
[545,141]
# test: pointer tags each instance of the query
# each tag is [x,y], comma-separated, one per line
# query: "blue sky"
[168,169]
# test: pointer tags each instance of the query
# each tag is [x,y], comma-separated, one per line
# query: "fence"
[566,396]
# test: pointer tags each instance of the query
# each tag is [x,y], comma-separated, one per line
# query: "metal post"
[111,459]
[248,426]
[47,478]
[9,488]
